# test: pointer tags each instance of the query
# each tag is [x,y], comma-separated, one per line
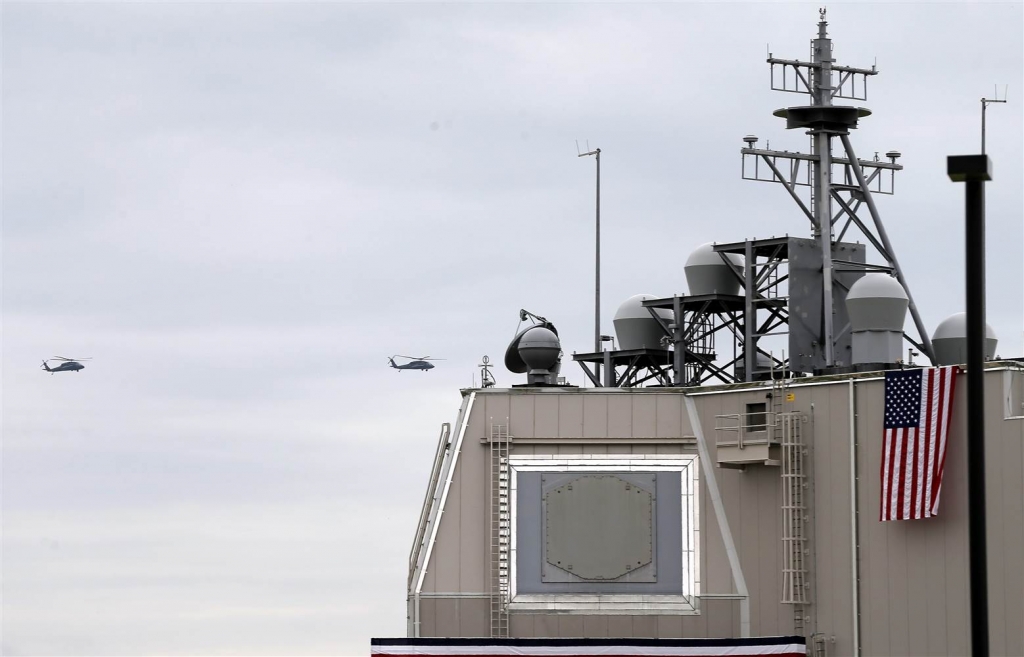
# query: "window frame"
[687,465]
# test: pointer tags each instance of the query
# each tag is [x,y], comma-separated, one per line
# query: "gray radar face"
[603,532]
[599,528]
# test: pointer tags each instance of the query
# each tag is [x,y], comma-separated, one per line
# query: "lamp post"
[974,171]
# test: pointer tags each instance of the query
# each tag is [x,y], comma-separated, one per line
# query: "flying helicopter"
[67,364]
[415,362]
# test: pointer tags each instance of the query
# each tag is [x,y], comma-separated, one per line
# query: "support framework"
[627,368]
[846,182]
[795,286]
[698,320]
[779,270]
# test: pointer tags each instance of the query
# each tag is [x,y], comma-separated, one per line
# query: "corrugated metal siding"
[831,597]
[915,574]
[914,577]
[1005,498]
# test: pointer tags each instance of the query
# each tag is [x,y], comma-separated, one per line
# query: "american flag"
[918,409]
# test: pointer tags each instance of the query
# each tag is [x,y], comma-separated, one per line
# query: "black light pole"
[975,170]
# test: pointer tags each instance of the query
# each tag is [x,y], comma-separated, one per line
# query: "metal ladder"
[778,405]
[795,548]
[501,526]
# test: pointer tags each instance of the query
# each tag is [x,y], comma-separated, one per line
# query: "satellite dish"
[513,360]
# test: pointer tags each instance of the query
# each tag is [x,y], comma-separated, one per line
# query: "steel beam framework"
[845,181]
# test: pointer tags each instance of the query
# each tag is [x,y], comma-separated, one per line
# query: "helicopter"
[67,364]
[415,362]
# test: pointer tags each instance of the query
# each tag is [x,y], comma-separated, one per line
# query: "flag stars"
[903,399]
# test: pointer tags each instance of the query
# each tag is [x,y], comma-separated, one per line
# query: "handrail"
[436,511]
[435,473]
[760,430]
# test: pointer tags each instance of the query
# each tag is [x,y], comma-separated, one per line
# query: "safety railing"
[742,429]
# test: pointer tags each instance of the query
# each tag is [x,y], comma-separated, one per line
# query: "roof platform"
[711,303]
[714,303]
[772,247]
[637,366]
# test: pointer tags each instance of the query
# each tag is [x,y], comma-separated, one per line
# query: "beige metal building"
[757,511]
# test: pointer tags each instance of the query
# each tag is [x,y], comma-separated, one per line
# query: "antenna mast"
[597,251]
[984,105]
[486,378]
[824,80]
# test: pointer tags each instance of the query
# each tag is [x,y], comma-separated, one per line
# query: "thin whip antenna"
[985,102]
[597,250]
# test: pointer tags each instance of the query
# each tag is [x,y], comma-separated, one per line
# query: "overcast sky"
[239,209]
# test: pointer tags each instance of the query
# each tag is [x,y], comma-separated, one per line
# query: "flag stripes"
[918,410]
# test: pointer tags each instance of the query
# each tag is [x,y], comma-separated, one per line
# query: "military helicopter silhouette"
[68,364]
[415,362]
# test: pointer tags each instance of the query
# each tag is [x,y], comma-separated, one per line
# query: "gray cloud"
[240,209]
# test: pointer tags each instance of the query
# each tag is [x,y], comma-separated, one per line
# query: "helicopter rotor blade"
[413,357]
[68,359]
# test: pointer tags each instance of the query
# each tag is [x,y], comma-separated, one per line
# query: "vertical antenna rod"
[597,254]
[821,95]
[984,106]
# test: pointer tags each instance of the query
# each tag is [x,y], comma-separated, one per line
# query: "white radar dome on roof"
[877,302]
[707,273]
[950,340]
[635,328]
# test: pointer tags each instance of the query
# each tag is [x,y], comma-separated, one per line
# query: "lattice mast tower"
[823,80]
